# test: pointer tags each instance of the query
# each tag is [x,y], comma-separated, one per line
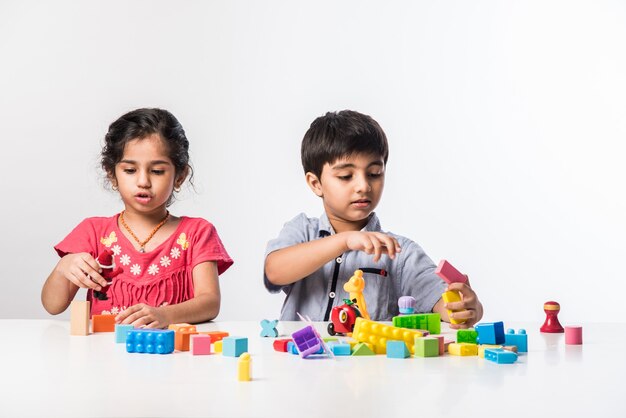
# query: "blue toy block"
[490,333]
[234,346]
[340,349]
[121,332]
[291,348]
[151,341]
[520,340]
[397,349]
[500,356]
[269,328]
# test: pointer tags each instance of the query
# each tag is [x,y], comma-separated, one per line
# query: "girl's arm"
[204,306]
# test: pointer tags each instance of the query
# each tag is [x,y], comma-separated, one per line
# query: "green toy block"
[362,349]
[430,322]
[467,336]
[426,347]
[330,339]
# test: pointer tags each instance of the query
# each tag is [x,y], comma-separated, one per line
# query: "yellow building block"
[243,367]
[217,346]
[463,349]
[482,348]
[378,334]
[452,296]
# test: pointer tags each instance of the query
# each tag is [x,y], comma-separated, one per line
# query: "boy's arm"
[469,308]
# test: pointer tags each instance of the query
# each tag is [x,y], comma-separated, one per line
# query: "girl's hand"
[143,316]
[82,270]
[373,243]
[471,310]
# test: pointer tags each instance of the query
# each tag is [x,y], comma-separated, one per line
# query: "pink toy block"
[200,344]
[449,274]
[574,335]
[442,348]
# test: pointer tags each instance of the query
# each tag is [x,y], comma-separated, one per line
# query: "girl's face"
[146,176]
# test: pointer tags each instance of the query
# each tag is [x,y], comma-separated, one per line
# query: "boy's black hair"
[139,124]
[340,134]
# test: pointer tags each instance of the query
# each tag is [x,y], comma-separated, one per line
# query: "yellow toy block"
[463,349]
[243,367]
[482,348]
[217,346]
[452,296]
[378,334]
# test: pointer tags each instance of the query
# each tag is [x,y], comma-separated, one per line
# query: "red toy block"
[574,335]
[200,344]
[281,345]
[449,274]
[103,323]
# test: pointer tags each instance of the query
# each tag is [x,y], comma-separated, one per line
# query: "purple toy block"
[200,344]
[307,341]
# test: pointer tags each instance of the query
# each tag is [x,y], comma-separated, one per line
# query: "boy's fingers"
[455,306]
[466,314]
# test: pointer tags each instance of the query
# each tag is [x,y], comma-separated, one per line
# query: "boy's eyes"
[371,175]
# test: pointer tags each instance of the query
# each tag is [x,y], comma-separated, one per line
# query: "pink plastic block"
[442,348]
[448,273]
[574,335]
[200,344]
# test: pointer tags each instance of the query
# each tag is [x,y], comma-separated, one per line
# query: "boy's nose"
[363,185]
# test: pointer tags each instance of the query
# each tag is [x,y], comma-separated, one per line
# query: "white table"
[47,372]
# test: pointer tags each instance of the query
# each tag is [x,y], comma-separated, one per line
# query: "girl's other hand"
[143,316]
[83,270]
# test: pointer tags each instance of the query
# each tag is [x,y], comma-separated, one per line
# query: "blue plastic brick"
[519,339]
[150,341]
[490,333]
[500,356]
[234,346]
[121,332]
[397,349]
[340,349]
[291,348]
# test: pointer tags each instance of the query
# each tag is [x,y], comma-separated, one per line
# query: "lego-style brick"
[519,339]
[150,341]
[330,339]
[397,349]
[467,336]
[449,274]
[217,347]
[378,334]
[244,366]
[215,335]
[268,328]
[490,333]
[340,349]
[482,348]
[426,347]
[176,327]
[463,349]
[573,335]
[183,334]
[307,341]
[427,321]
[292,349]
[79,317]
[500,356]
[281,345]
[452,296]
[234,346]
[363,349]
[121,332]
[103,323]
[200,345]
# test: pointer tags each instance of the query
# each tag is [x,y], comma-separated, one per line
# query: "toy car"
[343,317]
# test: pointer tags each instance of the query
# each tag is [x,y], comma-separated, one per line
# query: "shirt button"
[331,295]
[339,260]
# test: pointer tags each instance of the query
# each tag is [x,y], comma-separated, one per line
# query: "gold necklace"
[142,244]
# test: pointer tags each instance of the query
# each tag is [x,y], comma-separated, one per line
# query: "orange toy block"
[103,323]
[182,338]
[79,317]
[215,335]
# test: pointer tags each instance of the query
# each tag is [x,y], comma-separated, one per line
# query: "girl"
[145,265]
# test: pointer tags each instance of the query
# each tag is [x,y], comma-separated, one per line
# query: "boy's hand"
[470,307]
[143,316]
[375,243]
[83,270]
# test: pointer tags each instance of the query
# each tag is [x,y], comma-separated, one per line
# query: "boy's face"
[351,188]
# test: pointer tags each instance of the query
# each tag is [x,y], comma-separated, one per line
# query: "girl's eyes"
[158,172]
[129,170]
[133,170]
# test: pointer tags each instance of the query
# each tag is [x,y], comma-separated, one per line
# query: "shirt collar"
[327,229]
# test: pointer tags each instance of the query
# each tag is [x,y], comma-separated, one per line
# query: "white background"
[506,123]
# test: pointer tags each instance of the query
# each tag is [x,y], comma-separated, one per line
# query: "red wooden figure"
[109,271]
[552,323]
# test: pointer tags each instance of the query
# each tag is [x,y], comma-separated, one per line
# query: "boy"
[344,156]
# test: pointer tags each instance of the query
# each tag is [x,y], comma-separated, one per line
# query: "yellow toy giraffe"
[355,287]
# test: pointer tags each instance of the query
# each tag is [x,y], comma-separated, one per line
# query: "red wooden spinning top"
[552,323]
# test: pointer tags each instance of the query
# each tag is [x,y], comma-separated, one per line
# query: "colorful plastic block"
[467,336]
[215,335]
[200,345]
[490,333]
[307,341]
[406,305]
[340,349]
[378,334]
[330,339]
[500,356]
[103,323]
[519,339]
[482,348]
[244,368]
[234,346]
[268,328]
[426,347]
[363,349]
[440,341]
[183,334]
[429,321]
[573,335]
[151,341]
[217,347]
[292,349]
[463,349]
[79,317]
[452,296]
[121,332]
[449,274]
[397,349]
[281,345]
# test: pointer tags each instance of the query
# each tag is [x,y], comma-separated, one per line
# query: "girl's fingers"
[93,274]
